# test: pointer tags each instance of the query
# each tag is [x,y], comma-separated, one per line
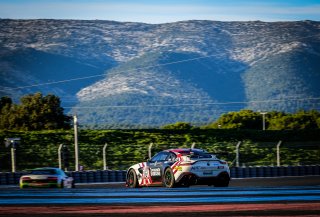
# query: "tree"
[302,120]
[178,126]
[34,113]
[6,109]
[5,101]
[247,119]
[244,119]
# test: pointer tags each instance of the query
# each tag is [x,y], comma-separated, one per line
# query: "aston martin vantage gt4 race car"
[179,167]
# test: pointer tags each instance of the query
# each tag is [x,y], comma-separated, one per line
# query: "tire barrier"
[7,178]
[264,171]
[98,176]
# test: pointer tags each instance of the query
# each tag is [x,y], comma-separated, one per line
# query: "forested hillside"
[136,75]
[284,78]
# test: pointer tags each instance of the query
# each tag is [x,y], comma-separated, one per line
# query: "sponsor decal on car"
[201,168]
[155,172]
[146,178]
[178,168]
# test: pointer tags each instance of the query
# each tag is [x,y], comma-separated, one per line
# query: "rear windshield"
[196,154]
[199,155]
[43,172]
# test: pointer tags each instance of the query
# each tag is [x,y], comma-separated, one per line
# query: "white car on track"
[179,167]
[46,177]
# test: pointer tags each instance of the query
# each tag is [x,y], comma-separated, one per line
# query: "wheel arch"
[163,170]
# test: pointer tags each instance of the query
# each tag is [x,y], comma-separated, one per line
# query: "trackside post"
[149,150]
[237,153]
[104,156]
[13,142]
[278,153]
[193,145]
[76,148]
[59,156]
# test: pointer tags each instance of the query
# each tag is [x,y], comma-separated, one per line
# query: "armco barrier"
[7,178]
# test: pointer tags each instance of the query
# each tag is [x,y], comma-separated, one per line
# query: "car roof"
[185,150]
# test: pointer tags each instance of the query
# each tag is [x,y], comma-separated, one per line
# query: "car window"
[156,157]
[171,157]
[160,156]
[197,155]
[164,156]
[60,172]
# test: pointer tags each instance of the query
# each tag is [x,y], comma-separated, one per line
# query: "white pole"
[13,159]
[278,153]
[76,148]
[263,120]
[104,156]
[237,153]
[149,150]
[193,145]
[59,156]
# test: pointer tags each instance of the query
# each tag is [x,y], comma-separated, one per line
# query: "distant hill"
[139,75]
[287,76]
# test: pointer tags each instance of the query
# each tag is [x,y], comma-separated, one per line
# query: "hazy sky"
[150,11]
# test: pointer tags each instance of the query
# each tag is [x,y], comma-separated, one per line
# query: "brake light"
[223,162]
[52,178]
[25,178]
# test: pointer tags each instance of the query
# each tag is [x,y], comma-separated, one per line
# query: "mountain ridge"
[198,64]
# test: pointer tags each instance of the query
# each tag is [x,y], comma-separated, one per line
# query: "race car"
[46,177]
[179,167]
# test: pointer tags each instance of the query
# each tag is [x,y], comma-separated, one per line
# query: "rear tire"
[185,182]
[62,184]
[168,178]
[223,180]
[132,180]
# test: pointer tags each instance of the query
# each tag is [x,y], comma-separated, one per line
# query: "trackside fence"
[8,178]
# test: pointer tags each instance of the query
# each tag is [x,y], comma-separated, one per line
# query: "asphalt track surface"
[290,196]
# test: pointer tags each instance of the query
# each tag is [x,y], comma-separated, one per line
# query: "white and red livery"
[179,167]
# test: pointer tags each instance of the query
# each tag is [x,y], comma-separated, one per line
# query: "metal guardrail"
[8,178]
